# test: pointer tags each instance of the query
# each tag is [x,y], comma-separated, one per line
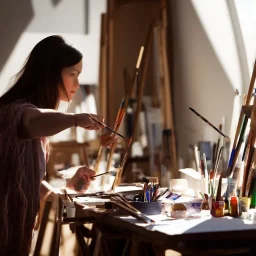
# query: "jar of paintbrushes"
[147,202]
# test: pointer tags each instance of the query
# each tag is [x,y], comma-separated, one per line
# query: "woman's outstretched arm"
[46,122]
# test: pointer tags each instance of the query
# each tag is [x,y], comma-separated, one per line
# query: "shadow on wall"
[55,2]
[130,29]
[199,80]
[14,18]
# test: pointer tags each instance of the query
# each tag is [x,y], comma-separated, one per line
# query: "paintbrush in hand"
[107,127]
[67,195]
[111,172]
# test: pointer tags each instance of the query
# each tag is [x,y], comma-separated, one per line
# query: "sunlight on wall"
[246,10]
[215,19]
[230,27]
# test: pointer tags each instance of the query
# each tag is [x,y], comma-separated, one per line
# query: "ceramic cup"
[70,209]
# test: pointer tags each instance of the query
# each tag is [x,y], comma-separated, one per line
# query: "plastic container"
[178,211]
[167,206]
[70,209]
[194,207]
[179,214]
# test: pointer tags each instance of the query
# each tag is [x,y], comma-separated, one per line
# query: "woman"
[27,116]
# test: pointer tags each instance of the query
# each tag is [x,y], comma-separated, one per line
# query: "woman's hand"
[107,140]
[81,180]
[85,121]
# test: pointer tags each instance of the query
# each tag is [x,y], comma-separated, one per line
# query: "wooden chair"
[61,155]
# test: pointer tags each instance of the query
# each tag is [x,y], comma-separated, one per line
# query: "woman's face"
[70,81]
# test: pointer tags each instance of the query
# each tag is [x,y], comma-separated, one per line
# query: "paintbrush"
[216,150]
[247,167]
[241,117]
[205,120]
[235,152]
[197,159]
[138,215]
[121,165]
[118,122]
[121,112]
[216,167]
[68,197]
[121,199]
[206,176]
[126,153]
[218,195]
[111,172]
[107,127]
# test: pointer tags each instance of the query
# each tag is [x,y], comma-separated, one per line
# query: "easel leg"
[47,208]
[97,244]
[80,239]
[126,247]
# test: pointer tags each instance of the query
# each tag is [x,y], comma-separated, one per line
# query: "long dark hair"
[37,83]
[39,79]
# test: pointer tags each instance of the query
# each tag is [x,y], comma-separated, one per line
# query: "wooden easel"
[158,29]
[103,66]
[247,111]
[133,84]
[165,81]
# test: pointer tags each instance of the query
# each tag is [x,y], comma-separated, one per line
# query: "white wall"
[66,16]
[246,10]
[67,19]
[214,50]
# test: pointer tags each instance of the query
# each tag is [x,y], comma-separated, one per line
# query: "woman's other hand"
[86,121]
[81,180]
[107,140]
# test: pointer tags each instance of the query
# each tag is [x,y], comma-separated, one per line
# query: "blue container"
[147,208]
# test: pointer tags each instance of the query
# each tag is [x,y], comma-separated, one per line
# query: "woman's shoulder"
[12,113]
[16,105]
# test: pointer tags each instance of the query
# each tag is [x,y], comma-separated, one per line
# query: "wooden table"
[192,236]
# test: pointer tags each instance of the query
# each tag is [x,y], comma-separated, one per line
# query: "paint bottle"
[233,180]
[253,198]
[244,203]
[234,204]
[227,204]
[219,207]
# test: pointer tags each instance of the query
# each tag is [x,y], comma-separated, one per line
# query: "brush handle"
[101,174]
[205,120]
[107,127]
[138,215]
